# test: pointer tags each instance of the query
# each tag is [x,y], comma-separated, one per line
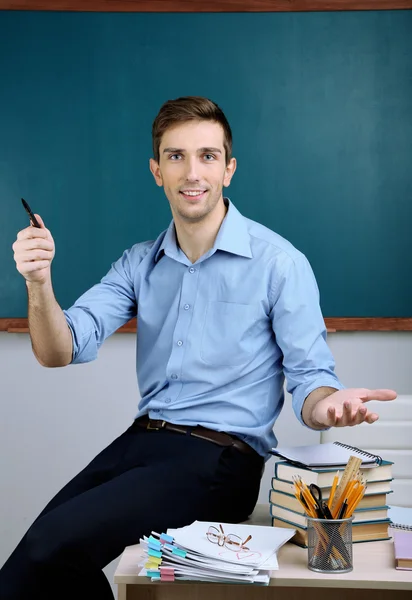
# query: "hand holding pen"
[34,250]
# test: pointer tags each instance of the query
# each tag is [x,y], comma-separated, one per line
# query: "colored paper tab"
[152,539]
[155,553]
[167,570]
[179,552]
[153,563]
[153,573]
[166,538]
[155,546]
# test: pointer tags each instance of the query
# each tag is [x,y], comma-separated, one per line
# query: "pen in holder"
[330,523]
[330,545]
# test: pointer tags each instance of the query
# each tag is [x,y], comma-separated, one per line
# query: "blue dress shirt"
[215,338]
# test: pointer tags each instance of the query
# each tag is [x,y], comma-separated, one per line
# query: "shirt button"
[167,400]
[173,376]
[180,343]
[191,270]
[186,306]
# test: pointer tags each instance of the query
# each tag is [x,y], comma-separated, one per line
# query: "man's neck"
[195,239]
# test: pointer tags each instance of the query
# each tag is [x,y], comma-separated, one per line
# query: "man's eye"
[209,156]
[172,155]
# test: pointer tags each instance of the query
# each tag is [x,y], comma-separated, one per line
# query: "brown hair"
[189,108]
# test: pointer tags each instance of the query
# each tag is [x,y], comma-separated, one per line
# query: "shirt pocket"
[227,336]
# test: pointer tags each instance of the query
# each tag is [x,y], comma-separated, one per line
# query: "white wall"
[54,421]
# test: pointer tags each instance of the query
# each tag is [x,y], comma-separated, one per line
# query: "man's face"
[192,169]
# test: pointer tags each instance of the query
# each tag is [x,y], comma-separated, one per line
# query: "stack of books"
[319,465]
[220,552]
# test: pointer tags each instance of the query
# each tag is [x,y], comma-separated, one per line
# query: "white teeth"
[192,193]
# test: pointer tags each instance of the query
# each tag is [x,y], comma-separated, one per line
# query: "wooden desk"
[374,577]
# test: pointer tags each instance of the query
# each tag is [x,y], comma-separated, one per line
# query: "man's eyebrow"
[173,150]
[211,149]
[205,149]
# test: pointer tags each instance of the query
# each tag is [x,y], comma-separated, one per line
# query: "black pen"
[326,511]
[33,219]
[343,510]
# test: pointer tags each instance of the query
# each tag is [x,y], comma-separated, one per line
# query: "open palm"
[348,407]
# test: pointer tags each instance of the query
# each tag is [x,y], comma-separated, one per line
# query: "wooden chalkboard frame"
[332,324]
[201,6]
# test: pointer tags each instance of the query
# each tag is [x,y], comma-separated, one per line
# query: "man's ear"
[229,172]
[155,170]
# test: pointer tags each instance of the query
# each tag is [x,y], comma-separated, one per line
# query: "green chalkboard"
[321,110]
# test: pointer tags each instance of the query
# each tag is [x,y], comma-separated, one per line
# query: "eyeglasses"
[230,541]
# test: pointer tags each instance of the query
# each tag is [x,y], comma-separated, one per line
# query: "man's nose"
[192,170]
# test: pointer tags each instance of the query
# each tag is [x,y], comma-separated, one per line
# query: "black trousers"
[143,481]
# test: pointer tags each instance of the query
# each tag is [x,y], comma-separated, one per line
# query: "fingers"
[381,394]
[40,220]
[33,243]
[33,232]
[34,252]
[350,416]
[33,255]
[332,418]
[371,418]
[359,416]
[24,245]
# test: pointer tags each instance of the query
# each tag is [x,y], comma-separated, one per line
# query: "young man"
[225,309]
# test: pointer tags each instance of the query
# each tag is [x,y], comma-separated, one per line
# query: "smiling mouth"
[193,194]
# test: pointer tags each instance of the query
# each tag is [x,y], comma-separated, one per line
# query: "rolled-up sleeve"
[102,310]
[300,331]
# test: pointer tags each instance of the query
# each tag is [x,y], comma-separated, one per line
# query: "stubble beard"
[196,216]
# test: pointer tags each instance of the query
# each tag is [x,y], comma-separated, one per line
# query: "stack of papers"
[189,554]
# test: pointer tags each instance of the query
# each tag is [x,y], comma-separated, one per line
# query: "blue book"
[371,531]
[324,477]
[360,515]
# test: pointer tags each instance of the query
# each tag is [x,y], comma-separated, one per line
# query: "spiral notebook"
[325,456]
[401,517]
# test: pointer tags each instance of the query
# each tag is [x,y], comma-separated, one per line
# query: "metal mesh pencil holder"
[330,545]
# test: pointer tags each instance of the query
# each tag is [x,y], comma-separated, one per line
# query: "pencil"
[333,490]
[356,501]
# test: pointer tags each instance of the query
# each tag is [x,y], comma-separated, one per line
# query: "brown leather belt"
[217,437]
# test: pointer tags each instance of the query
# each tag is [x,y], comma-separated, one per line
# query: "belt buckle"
[150,428]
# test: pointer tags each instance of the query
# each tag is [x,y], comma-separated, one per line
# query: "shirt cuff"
[83,335]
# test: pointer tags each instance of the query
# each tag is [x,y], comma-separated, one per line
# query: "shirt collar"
[169,244]
[233,236]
